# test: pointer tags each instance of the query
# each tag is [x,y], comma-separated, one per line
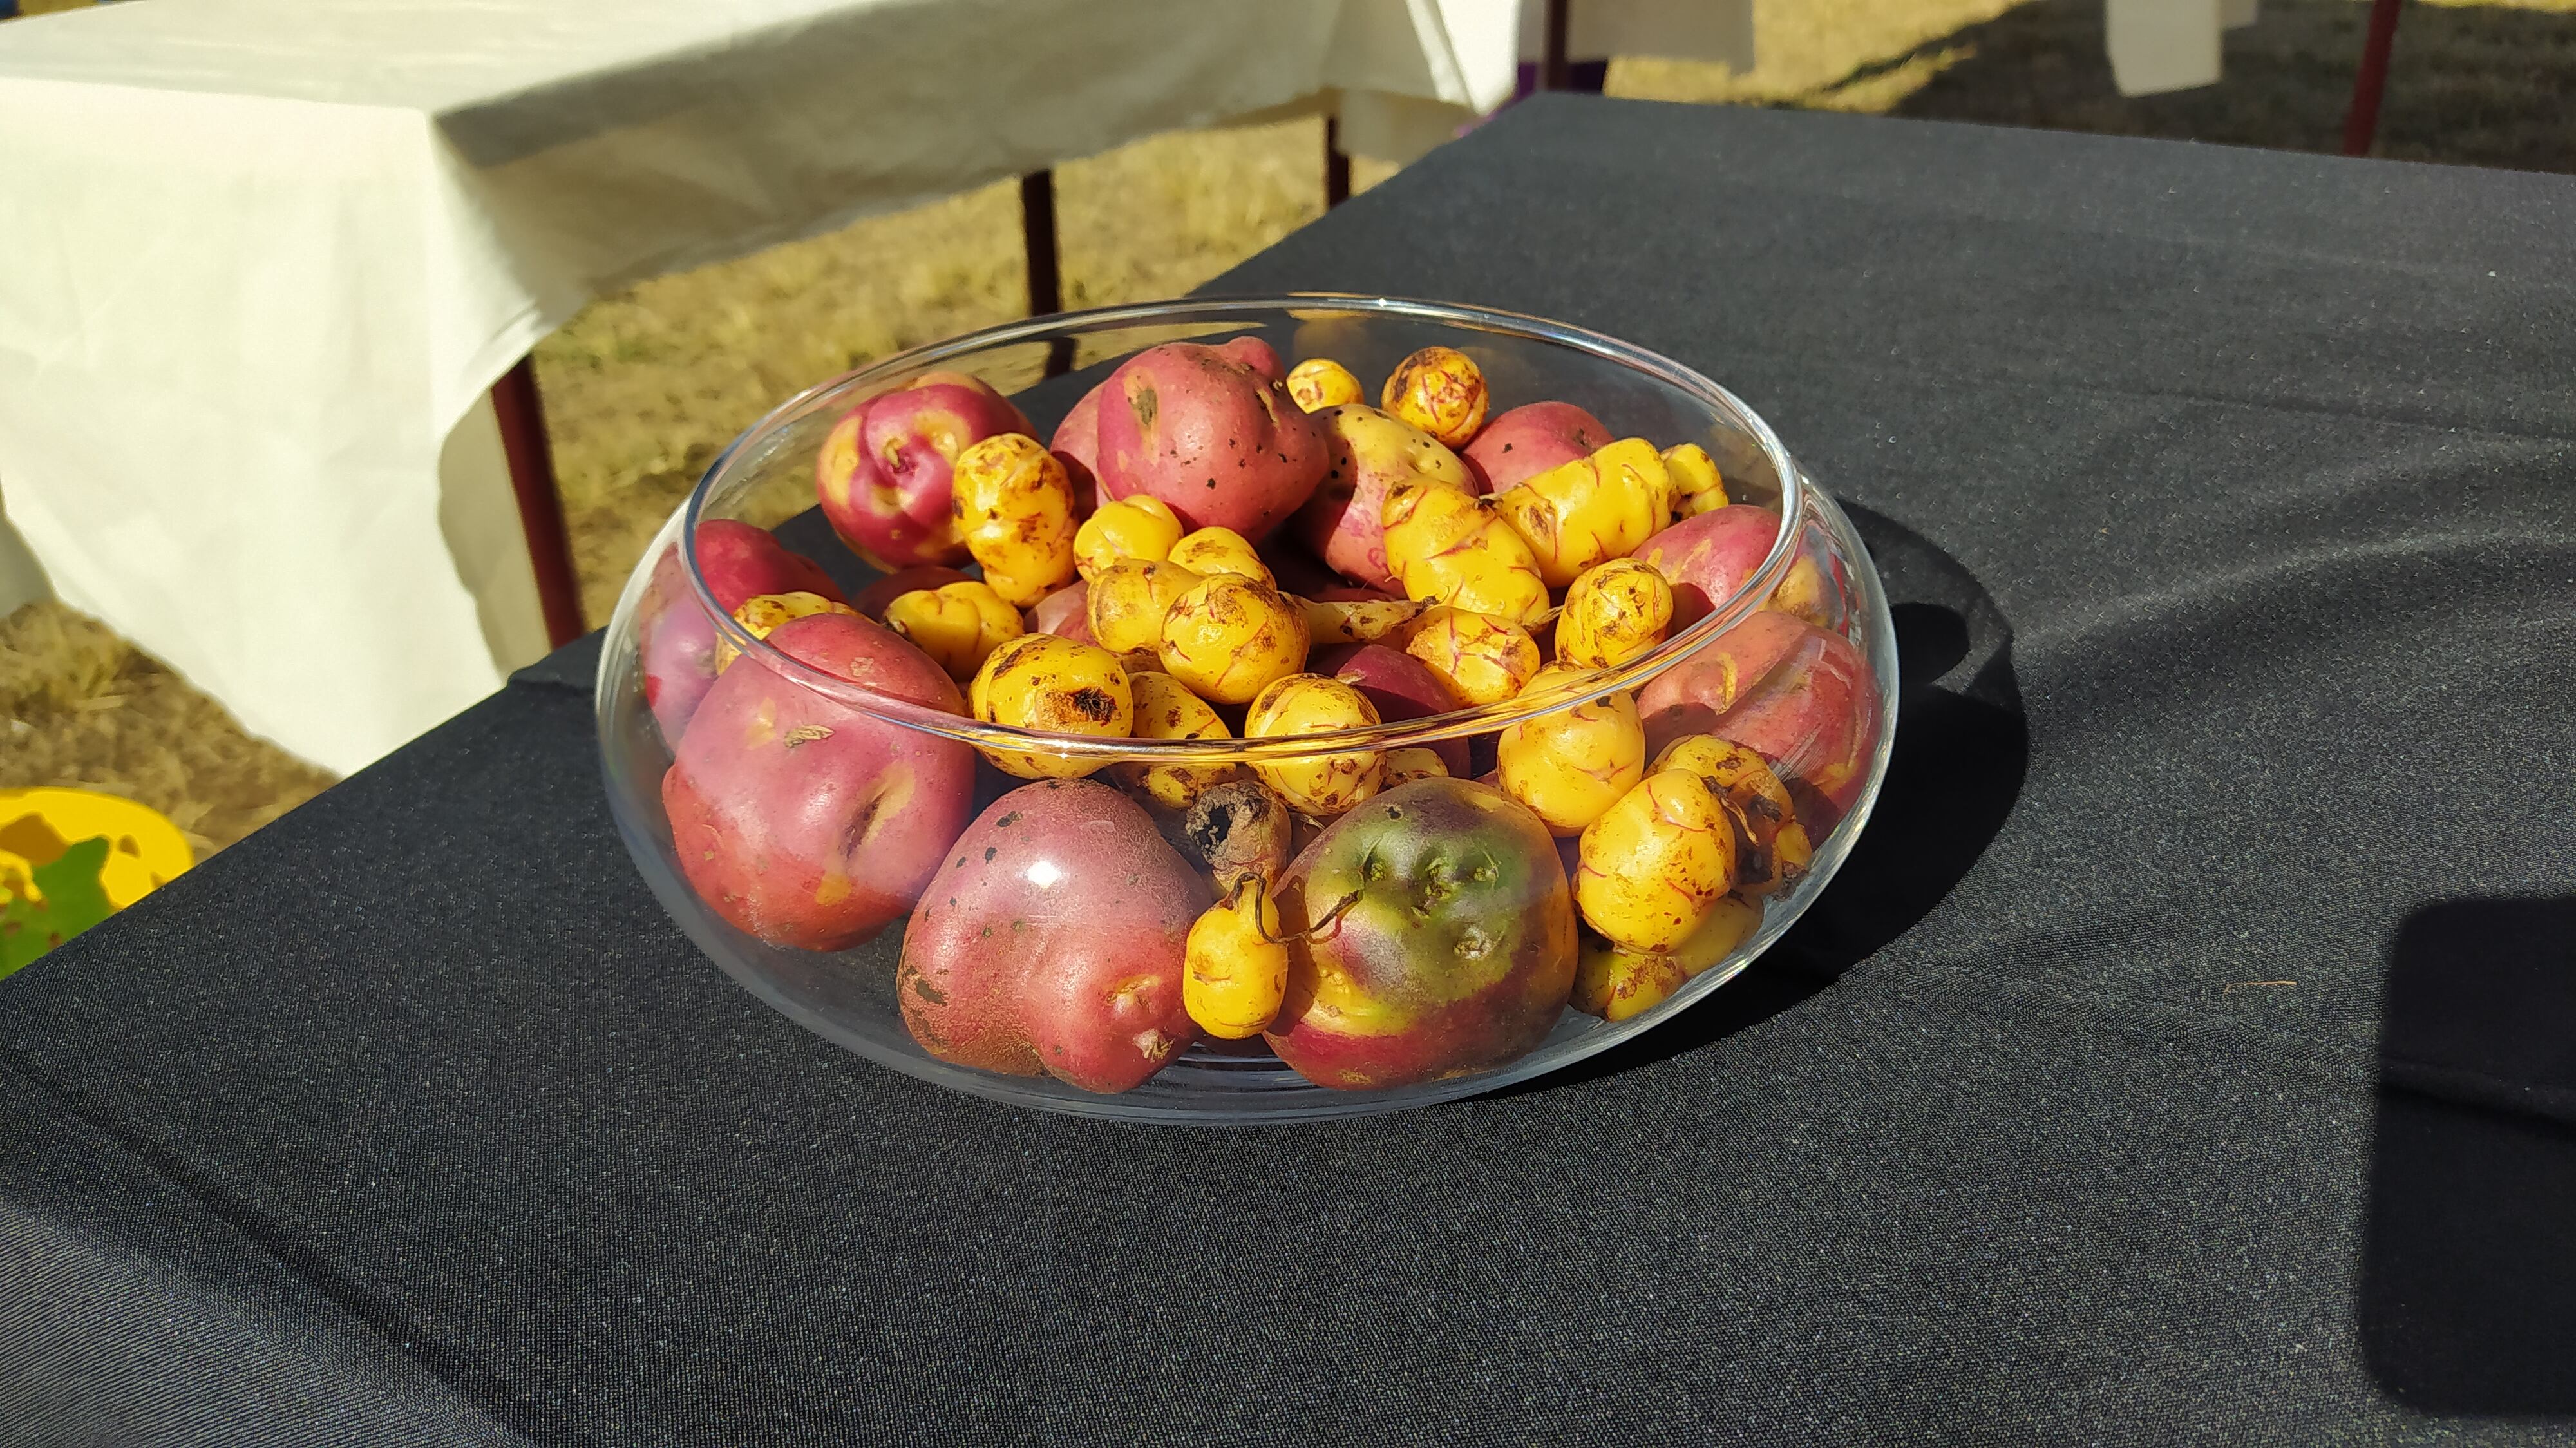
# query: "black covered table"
[2185,1055]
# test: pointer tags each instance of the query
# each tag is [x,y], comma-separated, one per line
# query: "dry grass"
[643,388]
[80,707]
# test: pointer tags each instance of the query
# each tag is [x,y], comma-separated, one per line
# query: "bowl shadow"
[1962,750]
[2467,1290]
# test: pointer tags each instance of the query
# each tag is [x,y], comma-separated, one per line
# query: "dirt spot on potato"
[1094,704]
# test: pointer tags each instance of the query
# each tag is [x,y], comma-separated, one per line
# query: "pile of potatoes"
[1215,546]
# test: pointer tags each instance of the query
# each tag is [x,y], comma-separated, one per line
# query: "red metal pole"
[541,517]
[2361,123]
[1554,72]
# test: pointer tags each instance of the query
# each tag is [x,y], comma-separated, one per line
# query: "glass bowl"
[1446,960]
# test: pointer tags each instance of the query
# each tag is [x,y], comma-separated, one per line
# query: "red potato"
[1356,595]
[1065,612]
[1708,557]
[802,820]
[1205,431]
[1076,444]
[676,640]
[1799,696]
[1258,355]
[1400,685]
[1530,439]
[872,600]
[1368,452]
[882,474]
[1051,941]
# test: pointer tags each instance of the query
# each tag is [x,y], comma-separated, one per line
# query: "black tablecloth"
[2184,1057]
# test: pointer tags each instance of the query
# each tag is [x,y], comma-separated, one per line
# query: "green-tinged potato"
[1697,488]
[806,821]
[1322,785]
[1052,940]
[1590,510]
[1129,601]
[1142,528]
[1369,453]
[1483,659]
[1617,611]
[957,624]
[1440,390]
[1220,550]
[1655,864]
[1438,939]
[1229,637]
[1043,682]
[1165,710]
[1321,382]
[1570,765]
[1013,504]
[1447,545]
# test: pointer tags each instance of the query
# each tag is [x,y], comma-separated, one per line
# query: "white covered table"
[267,257]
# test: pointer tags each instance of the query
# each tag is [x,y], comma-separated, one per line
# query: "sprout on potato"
[1234,972]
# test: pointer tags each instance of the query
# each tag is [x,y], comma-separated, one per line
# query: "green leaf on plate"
[74,900]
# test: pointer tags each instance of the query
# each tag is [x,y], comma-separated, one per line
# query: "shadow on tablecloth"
[2468,1274]
[1962,748]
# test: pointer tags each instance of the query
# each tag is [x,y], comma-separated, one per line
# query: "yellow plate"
[144,850]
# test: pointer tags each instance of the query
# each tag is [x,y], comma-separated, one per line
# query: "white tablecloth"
[264,258]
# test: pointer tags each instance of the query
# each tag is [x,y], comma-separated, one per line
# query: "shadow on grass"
[2478,85]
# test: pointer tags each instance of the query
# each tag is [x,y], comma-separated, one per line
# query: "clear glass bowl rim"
[1725,615]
